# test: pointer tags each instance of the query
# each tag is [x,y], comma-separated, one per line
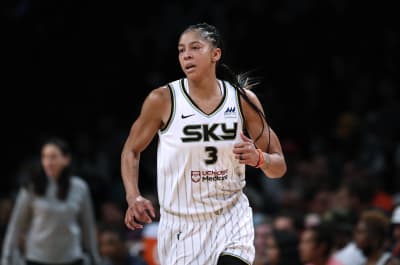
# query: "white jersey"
[197,170]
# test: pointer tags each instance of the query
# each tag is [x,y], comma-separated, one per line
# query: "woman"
[55,210]
[202,153]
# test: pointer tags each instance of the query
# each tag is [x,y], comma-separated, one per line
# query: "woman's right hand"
[140,211]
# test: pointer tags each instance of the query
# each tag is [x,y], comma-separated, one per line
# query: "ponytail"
[241,82]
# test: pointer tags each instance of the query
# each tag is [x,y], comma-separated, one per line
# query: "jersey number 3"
[212,154]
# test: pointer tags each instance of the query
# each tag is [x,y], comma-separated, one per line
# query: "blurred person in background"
[353,197]
[262,232]
[282,248]
[201,122]
[316,245]
[371,236]
[54,213]
[342,227]
[114,249]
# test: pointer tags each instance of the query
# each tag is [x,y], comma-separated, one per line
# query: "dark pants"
[78,262]
[230,260]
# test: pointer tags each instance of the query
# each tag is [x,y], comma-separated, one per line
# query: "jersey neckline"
[195,106]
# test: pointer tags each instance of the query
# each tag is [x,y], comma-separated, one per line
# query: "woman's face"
[272,251]
[197,56]
[53,160]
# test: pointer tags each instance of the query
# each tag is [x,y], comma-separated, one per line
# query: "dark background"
[81,69]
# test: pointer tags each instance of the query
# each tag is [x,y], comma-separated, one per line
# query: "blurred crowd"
[329,85]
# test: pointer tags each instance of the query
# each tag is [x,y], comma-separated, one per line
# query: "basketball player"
[202,152]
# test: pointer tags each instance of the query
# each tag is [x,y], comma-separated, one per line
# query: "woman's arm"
[274,165]
[154,113]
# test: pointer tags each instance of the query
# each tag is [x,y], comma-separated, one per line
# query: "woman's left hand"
[245,151]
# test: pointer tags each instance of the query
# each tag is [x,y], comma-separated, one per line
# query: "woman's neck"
[204,88]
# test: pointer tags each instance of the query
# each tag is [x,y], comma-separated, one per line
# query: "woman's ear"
[216,55]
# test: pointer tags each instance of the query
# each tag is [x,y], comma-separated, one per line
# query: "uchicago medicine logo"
[209,175]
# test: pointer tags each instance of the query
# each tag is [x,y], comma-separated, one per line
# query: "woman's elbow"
[279,171]
[283,170]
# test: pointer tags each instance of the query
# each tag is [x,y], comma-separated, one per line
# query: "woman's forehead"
[191,36]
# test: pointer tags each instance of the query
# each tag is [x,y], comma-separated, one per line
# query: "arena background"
[80,70]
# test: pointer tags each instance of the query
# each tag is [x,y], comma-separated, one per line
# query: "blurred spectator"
[355,196]
[114,249]
[371,236]
[53,212]
[262,231]
[282,248]
[342,225]
[317,244]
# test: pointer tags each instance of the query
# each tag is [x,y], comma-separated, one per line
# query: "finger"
[241,150]
[134,225]
[245,161]
[140,213]
[245,138]
[239,144]
[150,208]
[243,157]
[144,210]
[130,222]
[144,217]
[129,225]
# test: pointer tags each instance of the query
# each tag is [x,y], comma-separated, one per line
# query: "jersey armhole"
[172,112]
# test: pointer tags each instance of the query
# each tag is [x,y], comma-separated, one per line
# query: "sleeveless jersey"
[197,172]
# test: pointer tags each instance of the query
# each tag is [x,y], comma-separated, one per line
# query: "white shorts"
[200,240]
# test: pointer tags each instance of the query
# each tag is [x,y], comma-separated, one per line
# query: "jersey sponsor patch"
[209,175]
